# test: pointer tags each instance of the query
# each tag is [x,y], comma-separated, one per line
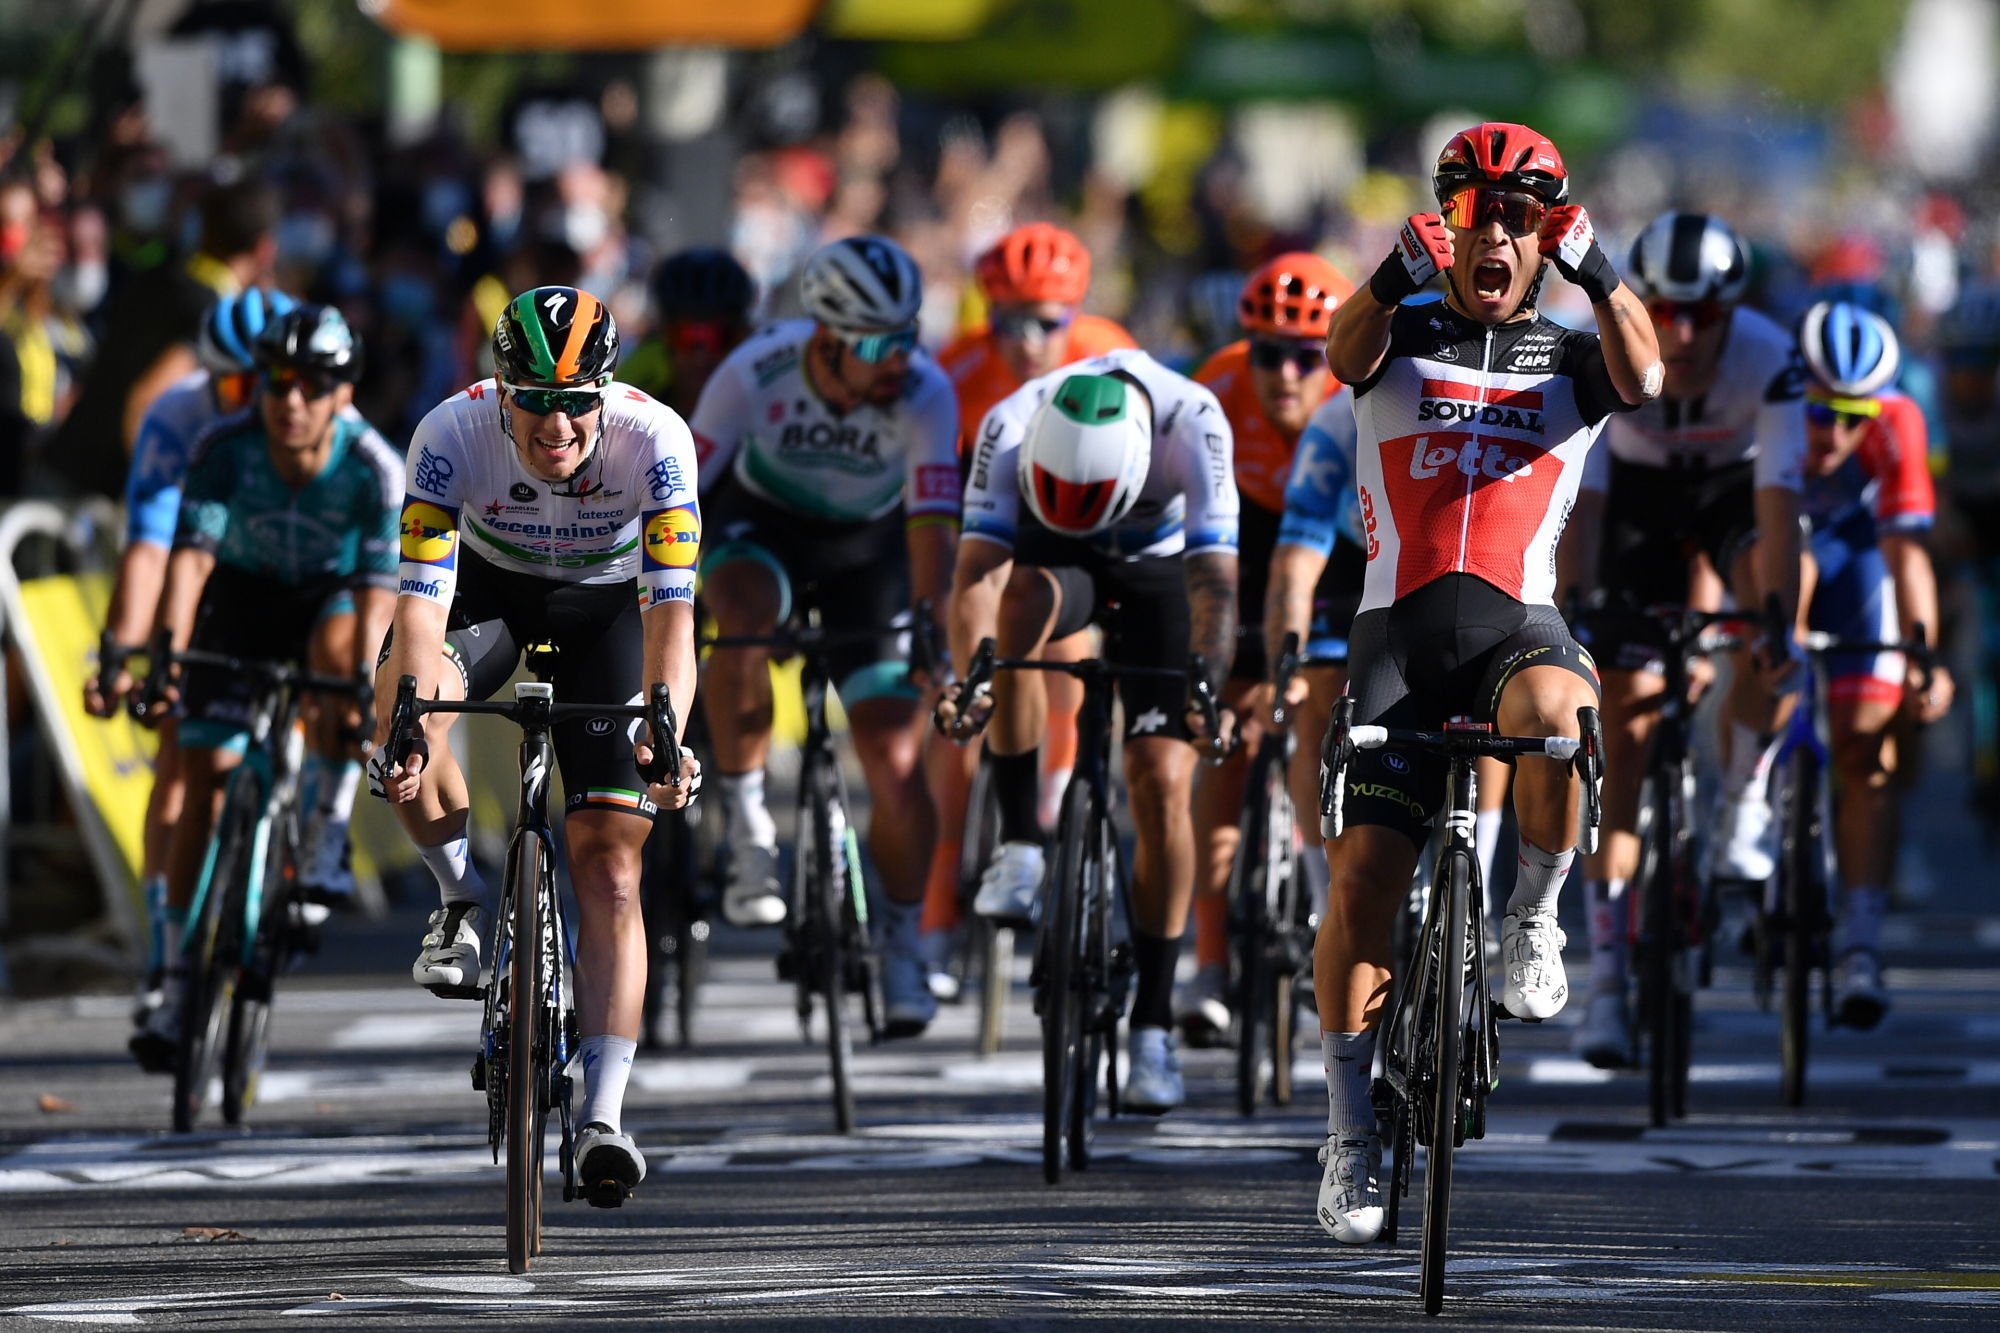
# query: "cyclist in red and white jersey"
[1474,417]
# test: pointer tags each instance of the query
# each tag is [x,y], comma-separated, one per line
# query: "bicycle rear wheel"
[1284,918]
[1447,1003]
[1250,889]
[528,1047]
[822,860]
[1801,898]
[1659,940]
[1092,983]
[250,1013]
[1058,949]
[215,953]
[991,948]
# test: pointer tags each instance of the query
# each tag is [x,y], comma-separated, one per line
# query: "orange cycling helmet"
[1035,263]
[1293,296]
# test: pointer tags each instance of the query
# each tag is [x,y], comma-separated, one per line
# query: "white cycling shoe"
[753,896]
[158,1040]
[1745,840]
[1153,1083]
[448,963]
[1350,1200]
[1011,888]
[1604,1039]
[1531,945]
[1201,1010]
[608,1165]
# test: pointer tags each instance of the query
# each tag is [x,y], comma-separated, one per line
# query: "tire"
[1058,944]
[995,953]
[1250,888]
[1448,1016]
[1402,1143]
[1092,984]
[826,890]
[667,877]
[217,958]
[1660,937]
[527,1053]
[1287,877]
[991,949]
[250,1014]
[1800,898]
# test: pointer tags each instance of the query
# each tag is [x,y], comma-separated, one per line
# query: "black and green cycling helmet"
[557,337]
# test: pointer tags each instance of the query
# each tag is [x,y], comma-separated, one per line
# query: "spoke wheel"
[527,1053]
[1448,1021]
[215,958]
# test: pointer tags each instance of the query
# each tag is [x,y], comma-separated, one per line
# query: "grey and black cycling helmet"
[311,338]
[862,284]
[1689,257]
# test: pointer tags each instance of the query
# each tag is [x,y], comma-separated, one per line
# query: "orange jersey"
[1263,452]
[982,378]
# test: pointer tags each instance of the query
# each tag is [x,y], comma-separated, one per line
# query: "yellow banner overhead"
[907,20]
[604,25]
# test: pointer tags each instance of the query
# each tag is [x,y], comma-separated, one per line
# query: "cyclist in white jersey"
[1672,506]
[550,504]
[829,469]
[1474,418]
[1127,470]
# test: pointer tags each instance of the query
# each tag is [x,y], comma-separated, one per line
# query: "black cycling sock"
[1153,999]
[1017,780]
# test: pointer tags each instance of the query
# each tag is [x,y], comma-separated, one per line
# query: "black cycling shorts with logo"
[255,618]
[1656,521]
[1446,650]
[1335,596]
[1142,607]
[497,614]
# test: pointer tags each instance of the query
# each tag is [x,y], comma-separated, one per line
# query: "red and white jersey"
[1471,444]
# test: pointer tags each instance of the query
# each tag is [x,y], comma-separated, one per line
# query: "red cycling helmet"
[1035,263]
[1504,155]
[1292,296]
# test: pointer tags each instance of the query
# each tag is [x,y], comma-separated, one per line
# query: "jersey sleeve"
[1781,428]
[206,491]
[1320,499]
[670,510]
[377,510]
[931,487]
[1905,500]
[153,484]
[991,509]
[720,417]
[1205,447]
[434,475]
[1583,362]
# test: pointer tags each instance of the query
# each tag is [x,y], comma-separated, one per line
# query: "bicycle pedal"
[607,1194]
[444,992]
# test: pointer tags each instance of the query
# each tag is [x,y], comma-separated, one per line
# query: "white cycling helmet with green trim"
[1086,455]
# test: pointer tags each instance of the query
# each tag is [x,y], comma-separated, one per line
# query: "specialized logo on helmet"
[430,533]
[673,539]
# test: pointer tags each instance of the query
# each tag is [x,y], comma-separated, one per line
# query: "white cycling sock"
[607,1064]
[1750,756]
[1861,911]
[1349,1059]
[749,817]
[1538,880]
[458,879]
[1486,843]
[1608,932]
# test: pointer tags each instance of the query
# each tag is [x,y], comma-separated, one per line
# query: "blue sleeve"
[153,484]
[1319,495]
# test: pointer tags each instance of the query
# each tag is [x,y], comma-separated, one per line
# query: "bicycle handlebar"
[407,741]
[986,663]
[1484,745]
[273,672]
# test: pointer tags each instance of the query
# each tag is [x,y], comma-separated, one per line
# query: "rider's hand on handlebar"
[960,718]
[678,792]
[1927,695]
[396,783]
[97,701]
[1780,665]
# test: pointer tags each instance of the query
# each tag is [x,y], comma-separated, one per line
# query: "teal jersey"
[340,526]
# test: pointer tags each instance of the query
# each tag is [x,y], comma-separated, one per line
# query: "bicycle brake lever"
[660,725]
[1589,763]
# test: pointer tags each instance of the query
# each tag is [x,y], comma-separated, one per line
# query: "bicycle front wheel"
[1448,1010]
[1058,948]
[1801,899]
[992,948]
[528,881]
[215,949]
[1251,889]
[250,1012]
[1659,941]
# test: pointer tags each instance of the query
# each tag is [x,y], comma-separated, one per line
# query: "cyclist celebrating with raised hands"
[1270,385]
[1869,502]
[1474,418]
[1125,470]
[827,454]
[1699,483]
[284,548]
[549,505]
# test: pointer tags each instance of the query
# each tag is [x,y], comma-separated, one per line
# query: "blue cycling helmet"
[227,342]
[1850,351]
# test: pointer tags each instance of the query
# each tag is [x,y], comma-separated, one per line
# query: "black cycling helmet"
[311,337]
[703,284]
[558,337]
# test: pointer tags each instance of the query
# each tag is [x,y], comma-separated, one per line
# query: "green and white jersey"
[759,418]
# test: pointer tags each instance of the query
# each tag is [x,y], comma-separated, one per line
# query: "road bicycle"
[246,921]
[1441,1043]
[528,1032]
[1083,965]
[680,892]
[987,953]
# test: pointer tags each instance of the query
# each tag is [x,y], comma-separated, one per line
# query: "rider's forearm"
[1778,548]
[1916,585]
[1288,598]
[1359,337]
[135,596]
[187,574]
[416,649]
[933,551]
[1211,588]
[978,580]
[1631,347]
[668,632]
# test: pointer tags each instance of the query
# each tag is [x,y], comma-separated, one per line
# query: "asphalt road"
[363,1192]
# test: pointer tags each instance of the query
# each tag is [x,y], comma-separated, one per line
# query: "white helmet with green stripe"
[1086,455]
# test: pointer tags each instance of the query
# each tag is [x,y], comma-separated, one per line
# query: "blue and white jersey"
[160,458]
[1322,504]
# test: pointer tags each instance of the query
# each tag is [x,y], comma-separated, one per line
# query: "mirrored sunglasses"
[1827,410]
[543,402]
[1701,314]
[875,348]
[313,385]
[232,392]
[1275,353]
[1520,214]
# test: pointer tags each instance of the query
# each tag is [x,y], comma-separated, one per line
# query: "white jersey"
[630,513]
[1189,502]
[760,418]
[1752,413]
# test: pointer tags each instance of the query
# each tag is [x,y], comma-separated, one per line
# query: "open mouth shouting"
[1493,278]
